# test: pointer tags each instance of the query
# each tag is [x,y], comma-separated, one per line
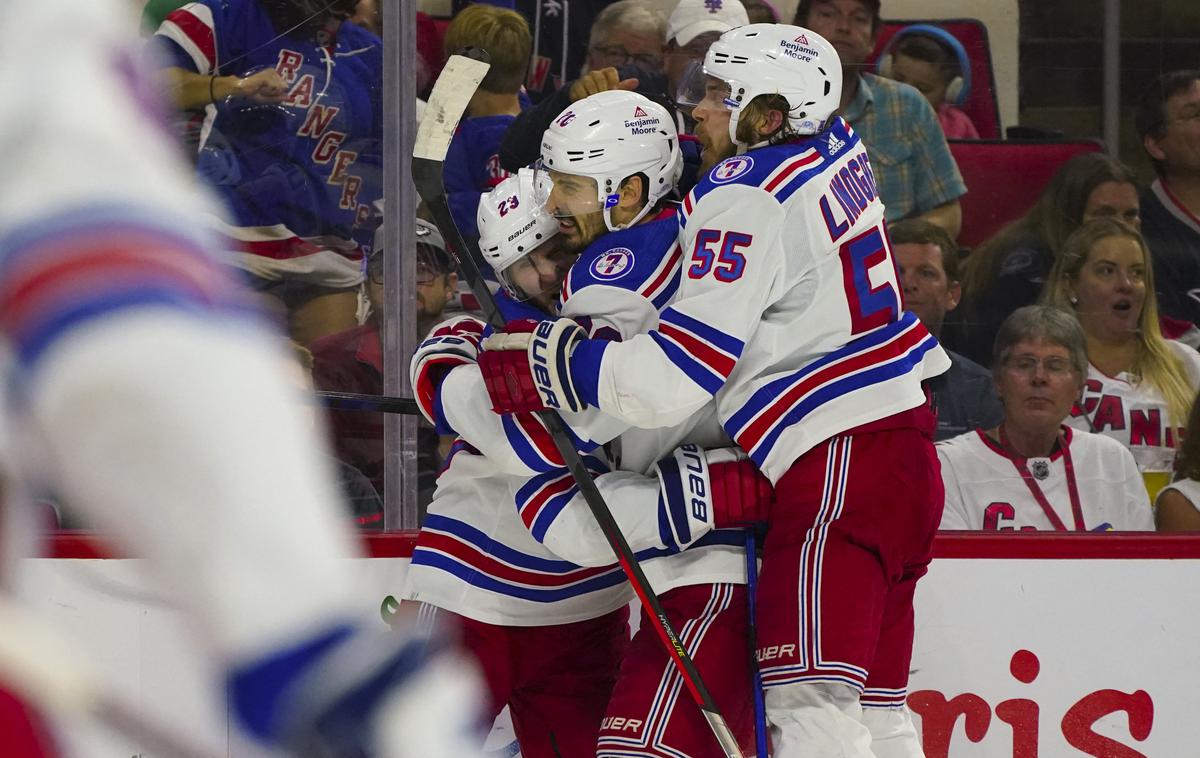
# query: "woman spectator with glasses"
[1139,386]
[1032,471]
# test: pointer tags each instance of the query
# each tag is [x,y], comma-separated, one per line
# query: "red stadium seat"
[981,104]
[1005,178]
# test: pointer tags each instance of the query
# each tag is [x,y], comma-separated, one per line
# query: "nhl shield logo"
[731,168]
[613,264]
[1040,468]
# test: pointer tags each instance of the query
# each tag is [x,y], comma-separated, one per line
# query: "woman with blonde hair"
[1009,270]
[1140,386]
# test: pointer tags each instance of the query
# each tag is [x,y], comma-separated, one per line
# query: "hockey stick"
[760,708]
[41,665]
[448,101]
[355,401]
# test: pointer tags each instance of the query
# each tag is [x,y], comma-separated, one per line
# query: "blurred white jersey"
[1134,413]
[148,393]
[1090,485]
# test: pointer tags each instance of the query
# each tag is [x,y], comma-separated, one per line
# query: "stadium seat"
[1005,178]
[981,104]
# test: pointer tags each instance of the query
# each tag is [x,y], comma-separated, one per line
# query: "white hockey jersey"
[1135,413]
[789,310]
[986,489]
[508,539]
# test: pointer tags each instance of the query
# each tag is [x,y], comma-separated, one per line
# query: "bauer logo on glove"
[527,368]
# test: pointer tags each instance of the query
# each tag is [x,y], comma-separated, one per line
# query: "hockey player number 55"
[870,307]
[725,262]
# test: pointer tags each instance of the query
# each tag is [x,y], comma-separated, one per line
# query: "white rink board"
[1124,625]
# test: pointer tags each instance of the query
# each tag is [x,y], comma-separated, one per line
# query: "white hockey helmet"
[610,136]
[512,222]
[778,59]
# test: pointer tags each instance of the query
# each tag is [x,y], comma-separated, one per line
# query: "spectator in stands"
[1009,270]
[933,67]
[294,148]
[927,262]
[1140,386]
[692,28]
[369,16]
[1031,471]
[916,174]
[694,25]
[1168,121]
[1178,506]
[362,498]
[352,361]
[761,12]
[626,32]
[472,165]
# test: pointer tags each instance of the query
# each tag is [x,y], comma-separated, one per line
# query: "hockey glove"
[526,367]
[452,343]
[701,490]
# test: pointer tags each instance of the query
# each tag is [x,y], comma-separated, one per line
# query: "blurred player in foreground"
[146,391]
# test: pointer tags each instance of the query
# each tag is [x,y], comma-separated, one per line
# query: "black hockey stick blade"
[355,401]
[448,101]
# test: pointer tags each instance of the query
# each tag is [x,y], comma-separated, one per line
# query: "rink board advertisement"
[1047,652]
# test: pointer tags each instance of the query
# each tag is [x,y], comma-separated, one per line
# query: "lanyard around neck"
[1020,463]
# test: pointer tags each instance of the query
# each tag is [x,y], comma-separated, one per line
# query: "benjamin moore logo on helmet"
[799,48]
[613,264]
[642,123]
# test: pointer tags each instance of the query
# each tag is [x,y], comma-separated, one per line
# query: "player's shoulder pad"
[631,259]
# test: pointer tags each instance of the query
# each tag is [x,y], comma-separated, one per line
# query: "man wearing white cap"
[692,27]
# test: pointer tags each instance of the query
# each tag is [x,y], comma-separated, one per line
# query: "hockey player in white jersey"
[549,634]
[1033,471]
[789,315]
[145,391]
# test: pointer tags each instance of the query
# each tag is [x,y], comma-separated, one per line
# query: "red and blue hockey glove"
[527,366]
[452,343]
[701,490]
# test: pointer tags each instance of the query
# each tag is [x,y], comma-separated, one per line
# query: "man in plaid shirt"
[916,174]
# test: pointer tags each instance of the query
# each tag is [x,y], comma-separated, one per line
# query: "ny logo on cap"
[638,112]
[713,6]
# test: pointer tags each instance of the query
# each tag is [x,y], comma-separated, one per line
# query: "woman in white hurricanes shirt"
[1140,386]
[1032,472]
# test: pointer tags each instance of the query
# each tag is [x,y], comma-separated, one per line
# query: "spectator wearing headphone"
[935,62]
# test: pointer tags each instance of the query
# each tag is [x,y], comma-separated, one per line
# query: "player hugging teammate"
[786,324]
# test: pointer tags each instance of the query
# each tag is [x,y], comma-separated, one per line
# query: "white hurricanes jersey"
[508,539]
[789,311]
[985,489]
[1135,413]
